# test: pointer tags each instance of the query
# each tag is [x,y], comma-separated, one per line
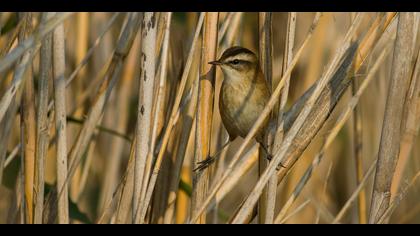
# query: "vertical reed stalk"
[358,154]
[287,59]
[82,34]
[42,122]
[125,202]
[162,83]
[391,128]
[411,127]
[268,198]
[205,109]
[60,121]
[358,150]
[144,112]
[28,125]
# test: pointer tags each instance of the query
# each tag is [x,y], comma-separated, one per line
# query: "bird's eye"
[235,62]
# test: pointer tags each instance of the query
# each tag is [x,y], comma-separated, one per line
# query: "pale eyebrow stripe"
[240,57]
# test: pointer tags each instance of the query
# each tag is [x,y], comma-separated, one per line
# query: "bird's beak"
[215,63]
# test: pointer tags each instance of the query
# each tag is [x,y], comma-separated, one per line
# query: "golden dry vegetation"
[104,116]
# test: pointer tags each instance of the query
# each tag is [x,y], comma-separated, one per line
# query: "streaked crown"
[238,53]
[236,60]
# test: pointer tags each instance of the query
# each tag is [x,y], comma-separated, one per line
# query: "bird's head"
[237,62]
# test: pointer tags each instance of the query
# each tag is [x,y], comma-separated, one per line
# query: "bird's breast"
[241,104]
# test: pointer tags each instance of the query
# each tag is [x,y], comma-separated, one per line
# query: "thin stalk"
[60,121]
[287,59]
[293,213]
[411,126]
[28,125]
[288,56]
[42,122]
[355,194]
[205,110]
[82,30]
[391,128]
[102,128]
[158,111]
[12,155]
[144,112]
[267,201]
[358,154]
[86,167]
[125,202]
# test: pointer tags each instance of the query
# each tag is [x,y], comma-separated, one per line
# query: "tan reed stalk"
[410,126]
[28,125]
[42,122]
[390,138]
[161,84]
[358,152]
[267,201]
[60,121]
[144,111]
[205,110]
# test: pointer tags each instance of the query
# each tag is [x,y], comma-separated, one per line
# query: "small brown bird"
[243,95]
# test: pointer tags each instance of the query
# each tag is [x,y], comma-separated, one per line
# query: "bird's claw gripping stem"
[270,157]
[204,164]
